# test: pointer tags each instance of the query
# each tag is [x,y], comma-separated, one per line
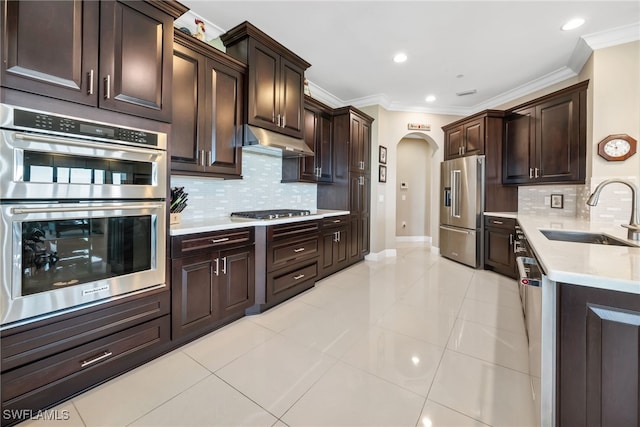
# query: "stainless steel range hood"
[274,144]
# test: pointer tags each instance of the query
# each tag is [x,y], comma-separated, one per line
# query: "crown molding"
[613,37]
[324,96]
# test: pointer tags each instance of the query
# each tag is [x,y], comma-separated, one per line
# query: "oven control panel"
[70,126]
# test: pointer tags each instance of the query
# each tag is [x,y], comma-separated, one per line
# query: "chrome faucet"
[634,222]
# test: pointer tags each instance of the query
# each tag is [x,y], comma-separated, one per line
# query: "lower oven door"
[65,256]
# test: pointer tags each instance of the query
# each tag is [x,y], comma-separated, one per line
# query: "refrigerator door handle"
[455,193]
[455,230]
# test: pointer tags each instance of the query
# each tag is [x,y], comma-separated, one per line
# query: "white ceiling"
[502,49]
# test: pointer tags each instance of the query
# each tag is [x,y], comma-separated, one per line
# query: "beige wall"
[413,201]
[388,129]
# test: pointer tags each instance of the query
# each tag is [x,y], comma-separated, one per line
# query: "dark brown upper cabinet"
[275,96]
[318,135]
[545,139]
[109,54]
[206,134]
[465,139]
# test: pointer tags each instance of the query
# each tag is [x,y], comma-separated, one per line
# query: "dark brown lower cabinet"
[498,245]
[335,245]
[52,360]
[212,280]
[598,358]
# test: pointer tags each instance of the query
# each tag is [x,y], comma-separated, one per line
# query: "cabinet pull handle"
[510,239]
[201,159]
[536,172]
[96,359]
[278,120]
[223,239]
[209,158]
[224,265]
[464,149]
[361,180]
[284,121]
[90,78]
[215,271]
[339,235]
[530,173]
[298,250]
[497,222]
[298,277]
[107,87]
[336,221]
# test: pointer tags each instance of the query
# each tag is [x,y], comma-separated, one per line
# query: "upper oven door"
[40,166]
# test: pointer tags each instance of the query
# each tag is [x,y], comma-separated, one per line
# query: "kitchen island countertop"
[226,223]
[601,266]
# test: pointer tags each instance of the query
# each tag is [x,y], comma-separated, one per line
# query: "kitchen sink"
[584,237]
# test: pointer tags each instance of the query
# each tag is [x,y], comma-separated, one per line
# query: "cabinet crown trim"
[567,90]
[248,30]
[485,113]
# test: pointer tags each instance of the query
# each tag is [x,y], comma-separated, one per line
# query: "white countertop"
[217,224]
[601,266]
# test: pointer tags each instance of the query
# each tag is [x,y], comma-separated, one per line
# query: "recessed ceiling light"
[430,98]
[573,24]
[400,57]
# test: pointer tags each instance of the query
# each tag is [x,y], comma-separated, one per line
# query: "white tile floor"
[415,340]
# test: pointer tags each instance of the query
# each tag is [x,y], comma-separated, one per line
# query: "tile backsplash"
[259,189]
[536,200]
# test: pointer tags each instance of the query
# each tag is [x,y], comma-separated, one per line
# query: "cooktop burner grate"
[271,213]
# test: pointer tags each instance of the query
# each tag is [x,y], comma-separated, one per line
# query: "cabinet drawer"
[43,341]
[335,221]
[292,230]
[494,221]
[83,359]
[284,253]
[294,278]
[192,244]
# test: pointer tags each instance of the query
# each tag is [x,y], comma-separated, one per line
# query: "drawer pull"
[96,359]
[497,222]
[298,277]
[224,239]
[298,250]
[336,221]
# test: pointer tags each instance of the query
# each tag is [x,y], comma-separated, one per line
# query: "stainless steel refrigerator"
[461,209]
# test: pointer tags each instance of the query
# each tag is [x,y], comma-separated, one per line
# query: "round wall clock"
[617,147]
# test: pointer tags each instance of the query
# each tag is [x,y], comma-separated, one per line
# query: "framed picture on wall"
[382,174]
[382,154]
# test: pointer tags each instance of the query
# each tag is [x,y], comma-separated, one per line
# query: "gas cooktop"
[270,214]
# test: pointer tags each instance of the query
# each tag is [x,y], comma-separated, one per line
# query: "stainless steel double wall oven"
[83,213]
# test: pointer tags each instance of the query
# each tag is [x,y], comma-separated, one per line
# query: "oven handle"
[92,144]
[86,208]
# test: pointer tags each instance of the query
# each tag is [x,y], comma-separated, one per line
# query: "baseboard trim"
[426,239]
[379,256]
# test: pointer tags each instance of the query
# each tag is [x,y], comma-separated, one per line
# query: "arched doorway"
[414,192]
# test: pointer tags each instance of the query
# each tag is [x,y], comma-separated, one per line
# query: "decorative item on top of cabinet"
[206,135]
[212,280]
[275,98]
[482,133]
[318,135]
[110,54]
[545,139]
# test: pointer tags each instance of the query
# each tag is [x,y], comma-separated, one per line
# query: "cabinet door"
[328,258]
[263,86]
[597,360]
[498,253]
[194,296]
[324,148]
[222,129]
[453,143]
[473,137]
[188,109]
[308,165]
[519,147]
[291,99]
[558,142]
[51,48]
[236,280]
[136,44]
